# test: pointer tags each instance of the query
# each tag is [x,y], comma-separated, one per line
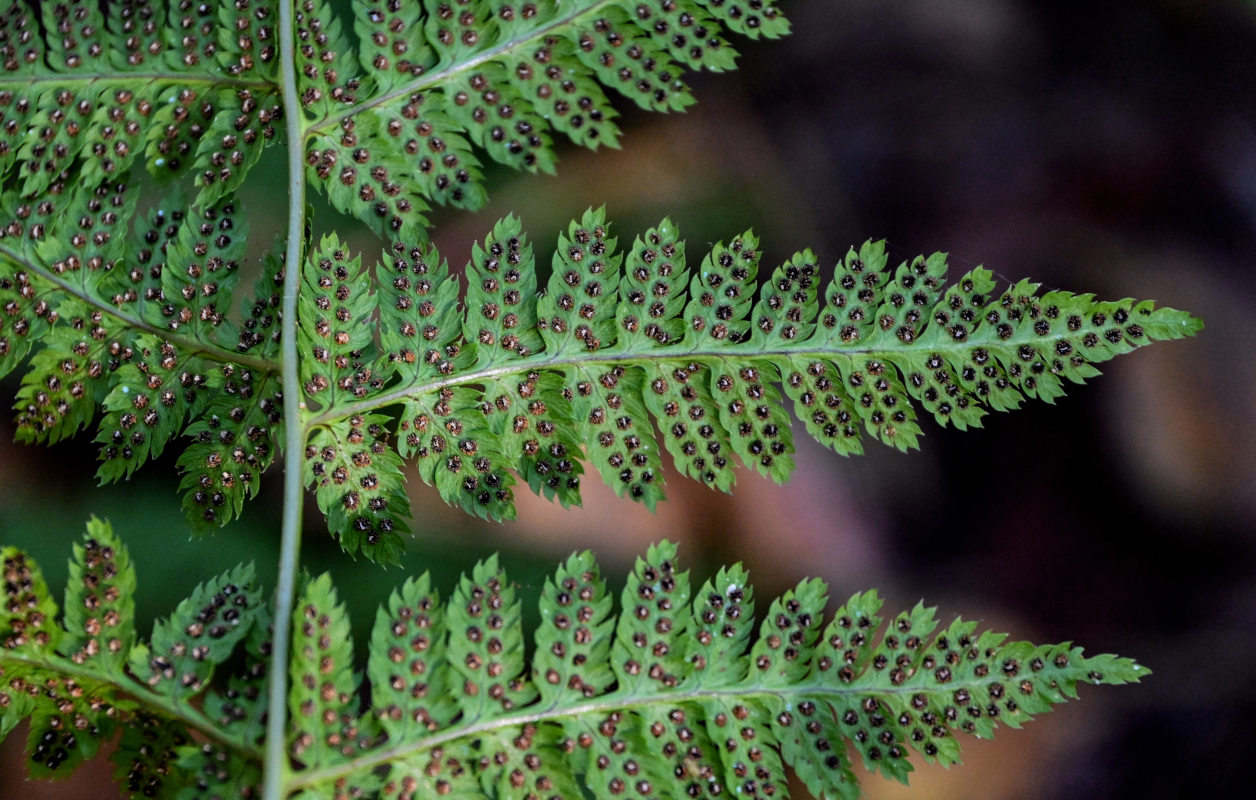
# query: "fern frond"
[87,89]
[619,344]
[84,676]
[120,312]
[434,85]
[120,315]
[681,692]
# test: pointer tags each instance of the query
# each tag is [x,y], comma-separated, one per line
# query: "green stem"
[275,768]
[173,708]
[189,345]
[616,356]
[596,709]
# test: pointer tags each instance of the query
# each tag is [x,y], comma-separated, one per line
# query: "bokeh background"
[1106,147]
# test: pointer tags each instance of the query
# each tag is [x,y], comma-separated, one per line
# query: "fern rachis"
[350,367]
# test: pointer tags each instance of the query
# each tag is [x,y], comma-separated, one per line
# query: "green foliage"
[112,309]
[605,355]
[127,128]
[681,692]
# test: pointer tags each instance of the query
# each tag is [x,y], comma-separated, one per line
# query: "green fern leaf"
[577,312]
[357,478]
[87,92]
[198,40]
[247,39]
[445,433]
[233,444]
[518,384]
[202,267]
[536,433]
[325,729]
[201,634]
[78,713]
[121,117]
[221,769]
[85,240]
[27,625]
[72,679]
[689,36]
[418,313]
[571,101]
[679,693]
[149,402]
[409,679]
[337,296]
[326,72]
[501,314]
[676,704]
[486,644]
[30,309]
[146,759]
[120,309]
[574,638]
[182,117]
[624,57]
[498,118]
[391,47]
[235,438]
[721,627]
[100,601]
[753,18]
[621,344]
[499,76]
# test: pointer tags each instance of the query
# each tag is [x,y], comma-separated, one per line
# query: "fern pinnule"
[325,727]
[681,692]
[201,634]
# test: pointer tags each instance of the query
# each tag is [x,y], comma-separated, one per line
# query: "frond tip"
[681,693]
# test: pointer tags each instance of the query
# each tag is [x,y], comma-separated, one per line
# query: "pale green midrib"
[433,80]
[185,344]
[275,764]
[128,79]
[674,353]
[181,711]
[606,704]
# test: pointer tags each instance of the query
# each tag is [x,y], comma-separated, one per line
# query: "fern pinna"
[681,693]
[128,131]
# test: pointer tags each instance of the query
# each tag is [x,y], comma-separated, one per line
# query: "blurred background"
[1105,147]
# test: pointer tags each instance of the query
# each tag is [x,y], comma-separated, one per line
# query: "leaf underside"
[681,692]
[127,317]
[630,358]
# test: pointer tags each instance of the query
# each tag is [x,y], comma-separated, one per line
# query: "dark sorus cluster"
[128,131]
